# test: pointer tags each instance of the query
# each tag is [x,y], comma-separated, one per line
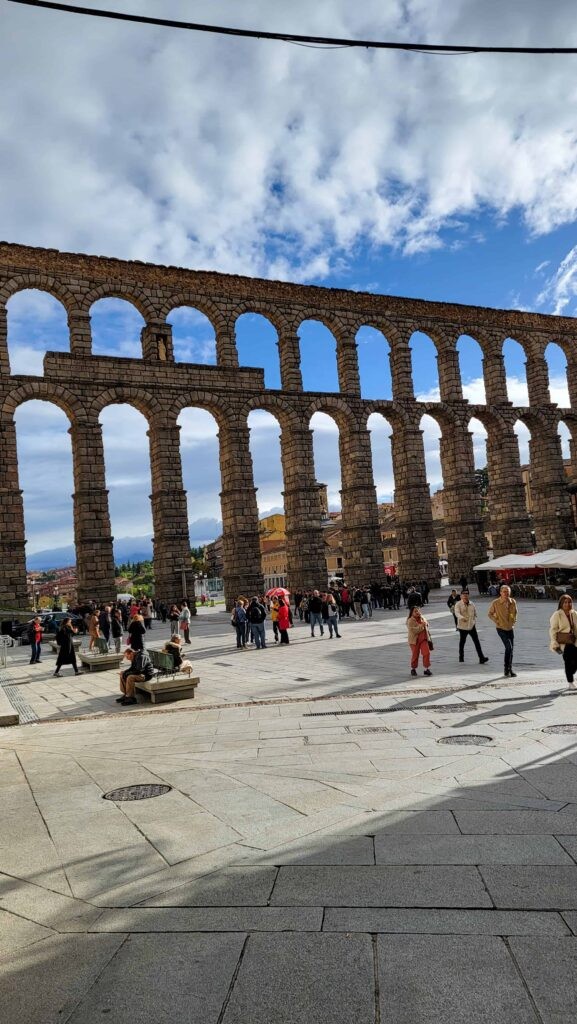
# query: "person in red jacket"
[283,621]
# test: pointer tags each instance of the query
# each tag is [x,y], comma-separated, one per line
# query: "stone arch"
[266,453]
[116,328]
[557,373]
[424,369]
[199,342]
[327,451]
[288,416]
[257,351]
[42,327]
[45,391]
[144,402]
[136,296]
[337,408]
[283,321]
[196,300]
[198,445]
[40,282]
[133,518]
[376,381]
[515,362]
[470,355]
[314,365]
[382,455]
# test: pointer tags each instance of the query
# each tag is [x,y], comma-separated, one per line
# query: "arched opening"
[471,369]
[115,326]
[318,356]
[193,337]
[424,367]
[268,478]
[327,460]
[432,445]
[479,435]
[383,474]
[566,439]
[257,345]
[557,369]
[374,357]
[37,323]
[199,448]
[515,372]
[128,480]
[46,479]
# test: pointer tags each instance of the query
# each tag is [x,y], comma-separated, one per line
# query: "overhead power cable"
[286,37]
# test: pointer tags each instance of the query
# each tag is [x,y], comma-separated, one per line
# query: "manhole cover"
[560,728]
[371,728]
[449,709]
[468,739]
[136,792]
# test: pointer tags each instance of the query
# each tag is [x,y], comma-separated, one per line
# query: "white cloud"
[264,158]
[561,287]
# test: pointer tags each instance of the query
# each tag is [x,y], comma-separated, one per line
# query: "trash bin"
[212,602]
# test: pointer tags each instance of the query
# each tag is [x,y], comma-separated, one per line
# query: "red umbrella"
[278,592]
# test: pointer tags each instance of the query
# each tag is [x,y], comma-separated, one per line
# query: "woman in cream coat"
[564,620]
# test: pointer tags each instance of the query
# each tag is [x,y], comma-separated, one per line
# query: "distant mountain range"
[126,549]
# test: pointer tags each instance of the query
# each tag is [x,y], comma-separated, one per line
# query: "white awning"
[509,562]
[553,558]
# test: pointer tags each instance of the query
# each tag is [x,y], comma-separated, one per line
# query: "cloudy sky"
[439,177]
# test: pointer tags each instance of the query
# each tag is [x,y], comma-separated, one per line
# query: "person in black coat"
[66,652]
[136,631]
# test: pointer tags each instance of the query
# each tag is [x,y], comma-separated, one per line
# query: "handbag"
[565,638]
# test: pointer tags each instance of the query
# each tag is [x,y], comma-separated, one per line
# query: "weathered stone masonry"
[82,385]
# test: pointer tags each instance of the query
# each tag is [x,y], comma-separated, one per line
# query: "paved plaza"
[323,855]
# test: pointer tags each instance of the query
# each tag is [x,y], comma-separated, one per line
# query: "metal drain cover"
[145,792]
[371,728]
[560,728]
[449,709]
[466,739]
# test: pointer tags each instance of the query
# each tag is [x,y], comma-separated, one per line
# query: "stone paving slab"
[550,973]
[535,888]
[519,823]
[185,978]
[231,887]
[425,979]
[447,922]
[469,849]
[16,932]
[380,886]
[325,979]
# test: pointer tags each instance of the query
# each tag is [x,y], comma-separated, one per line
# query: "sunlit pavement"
[323,855]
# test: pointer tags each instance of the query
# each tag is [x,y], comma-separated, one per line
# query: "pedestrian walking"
[173,617]
[563,636]
[419,638]
[66,652]
[104,622]
[414,599]
[136,632]
[503,613]
[466,614]
[284,622]
[93,630]
[35,640]
[184,621]
[274,619]
[451,602]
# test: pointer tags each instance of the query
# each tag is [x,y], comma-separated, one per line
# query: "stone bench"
[97,662]
[161,689]
[8,714]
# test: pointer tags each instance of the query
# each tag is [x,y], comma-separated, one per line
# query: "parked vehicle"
[51,622]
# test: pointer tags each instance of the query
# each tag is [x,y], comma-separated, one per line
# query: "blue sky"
[441,178]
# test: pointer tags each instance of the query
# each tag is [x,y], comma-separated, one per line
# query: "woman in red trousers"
[283,621]
[419,639]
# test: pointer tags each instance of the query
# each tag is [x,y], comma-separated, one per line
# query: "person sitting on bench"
[174,647]
[140,668]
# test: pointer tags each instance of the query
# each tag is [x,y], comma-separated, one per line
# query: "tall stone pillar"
[510,526]
[4,360]
[289,358]
[240,524]
[362,547]
[13,590]
[495,377]
[80,333]
[171,549]
[572,380]
[226,350]
[401,368]
[450,386]
[462,504]
[418,556]
[305,546]
[92,534]
[348,365]
[537,381]
[156,338]
[552,515]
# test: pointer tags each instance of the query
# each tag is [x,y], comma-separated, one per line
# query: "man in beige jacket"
[466,615]
[503,613]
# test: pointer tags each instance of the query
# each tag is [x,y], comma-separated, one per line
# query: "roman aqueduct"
[83,384]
